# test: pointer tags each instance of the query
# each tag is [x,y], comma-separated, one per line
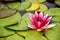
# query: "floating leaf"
[10,20]
[13,5]
[21,25]
[57,19]
[53,12]
[23,6]
[6,13]
[53,33]
[14,37]
[26,18]
[23,33]
[5,32]
[34,35]
[33,7]
[35,1]
[42,8]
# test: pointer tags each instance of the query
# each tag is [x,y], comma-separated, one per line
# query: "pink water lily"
[39,21]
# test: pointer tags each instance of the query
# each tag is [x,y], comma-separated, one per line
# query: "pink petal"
[47,22]
[32,26]
[49,18]
[31,18]
[39,24]
[35,21]
[45,17]
[40,15]
[36,14]
[50,26]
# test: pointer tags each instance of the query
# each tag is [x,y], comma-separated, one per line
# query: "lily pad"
[6,13]
[23,33]
[24,5]
[10,20]
[2,38]
[34,35]
[14,37]
[35,1]
[26,17]
[13,5]
[56,19]
[53,33]
[33,7]
[22,25]
[5,32]
[42,8]
[19,26]
[53,12]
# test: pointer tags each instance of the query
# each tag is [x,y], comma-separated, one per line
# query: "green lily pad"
[13,5]
[23,33]
[6,13]
[34,35]
[2,38]
[10,20]
[42,8]
[33,7]
[14,37]
[53,12]
[26,17]
[5,32]
[24,5]
[21,25]
[56,19]
[35,1]
[53,33]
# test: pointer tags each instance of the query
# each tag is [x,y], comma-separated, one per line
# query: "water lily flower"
[39,21]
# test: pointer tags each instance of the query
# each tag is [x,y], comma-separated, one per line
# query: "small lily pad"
[53,33]
[5,32]
[13,5]
[33,7]
[35,1]
[15,37]
[10,20]
[24,5]
[34,35]
[53,12]
[42,8]
[6,13]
